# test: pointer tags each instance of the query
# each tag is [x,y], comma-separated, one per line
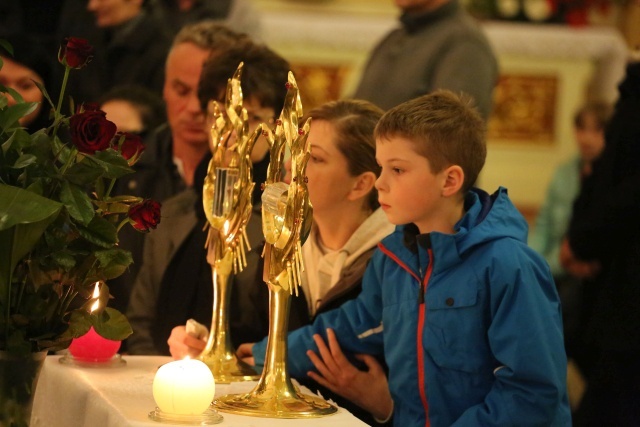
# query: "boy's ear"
[362,186]
[453,180]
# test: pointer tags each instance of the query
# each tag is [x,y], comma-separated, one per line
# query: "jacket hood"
[487,218]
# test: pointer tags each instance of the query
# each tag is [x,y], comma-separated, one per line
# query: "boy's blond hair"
[446,129]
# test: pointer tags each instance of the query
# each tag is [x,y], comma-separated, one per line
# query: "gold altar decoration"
[524,110]
[286,223]
[227,205]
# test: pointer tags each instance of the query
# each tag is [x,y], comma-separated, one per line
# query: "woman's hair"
[354,121]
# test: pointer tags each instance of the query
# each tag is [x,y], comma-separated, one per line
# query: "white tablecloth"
[69,396]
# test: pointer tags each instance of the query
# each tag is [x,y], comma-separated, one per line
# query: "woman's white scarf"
[323,268]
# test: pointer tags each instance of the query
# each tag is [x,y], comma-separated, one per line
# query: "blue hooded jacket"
[469,324]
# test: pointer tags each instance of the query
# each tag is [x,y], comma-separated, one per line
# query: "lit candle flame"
[96,294]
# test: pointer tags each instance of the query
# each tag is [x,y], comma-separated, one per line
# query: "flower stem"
[122,223]
[72,156]
[58,114]
[108,192]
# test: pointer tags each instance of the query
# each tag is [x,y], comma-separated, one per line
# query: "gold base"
[227,369]
[271,404]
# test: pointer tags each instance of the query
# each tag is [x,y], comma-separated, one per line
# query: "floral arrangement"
[58,221]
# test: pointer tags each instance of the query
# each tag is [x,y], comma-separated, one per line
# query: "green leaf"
[79,324]
[100,232]
[44,93]
[10,115]
[19,206]
[113,163]
[83,173]
[114,208]
[124,199]
[112,324]
[25,160]
[24,216]
[14,94]
[7,145]
[113,262]
[77,203]
[64,259]
[7,46]
[63,151]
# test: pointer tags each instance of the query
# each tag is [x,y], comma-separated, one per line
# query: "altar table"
[70,396]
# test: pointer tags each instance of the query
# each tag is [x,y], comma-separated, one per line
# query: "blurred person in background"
[130,45]
[553,218]
[437,46]
[603,247]
[29,64]
[239,15]
[134,109]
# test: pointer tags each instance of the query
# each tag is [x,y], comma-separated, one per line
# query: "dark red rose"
[144,216]
[91,131]
[75,52]
[130,146]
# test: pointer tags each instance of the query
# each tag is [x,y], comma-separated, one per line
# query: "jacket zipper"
[419,338]
[421,318]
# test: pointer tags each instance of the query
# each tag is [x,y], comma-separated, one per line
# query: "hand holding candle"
[183,387]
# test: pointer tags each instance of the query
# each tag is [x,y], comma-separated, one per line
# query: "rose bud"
[130,146]
[91,131]
[145,215]
[75,52]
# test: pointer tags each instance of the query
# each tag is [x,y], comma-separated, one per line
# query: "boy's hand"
[367,389]
[182,344]
[245,352]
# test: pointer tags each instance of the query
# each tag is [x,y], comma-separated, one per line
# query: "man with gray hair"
[174,149]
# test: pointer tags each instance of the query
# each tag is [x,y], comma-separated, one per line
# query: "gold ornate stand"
[227,205]
[286,223]
[219,354]
[275,396]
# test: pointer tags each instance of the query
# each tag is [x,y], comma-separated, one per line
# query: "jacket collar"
[413,22]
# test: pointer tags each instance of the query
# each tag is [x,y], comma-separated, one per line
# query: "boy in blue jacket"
[466,314]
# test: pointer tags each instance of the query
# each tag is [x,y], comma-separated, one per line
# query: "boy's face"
[590,138]
[407,189]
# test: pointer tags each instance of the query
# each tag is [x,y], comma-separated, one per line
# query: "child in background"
[466,314]
[553,218]
[552,223]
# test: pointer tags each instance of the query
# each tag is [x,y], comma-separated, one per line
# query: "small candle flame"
[96,294]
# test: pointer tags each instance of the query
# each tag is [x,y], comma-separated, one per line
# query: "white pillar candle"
[184,387]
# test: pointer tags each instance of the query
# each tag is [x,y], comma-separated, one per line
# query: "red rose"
[91,131]
[75,52]
[144,216]
[131,146]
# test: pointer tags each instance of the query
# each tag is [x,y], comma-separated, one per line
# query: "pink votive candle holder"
[92,347]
